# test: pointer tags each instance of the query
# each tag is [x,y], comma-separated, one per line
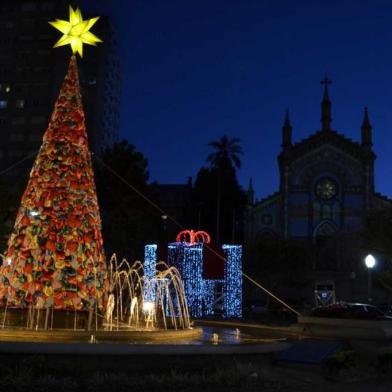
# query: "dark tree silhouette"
[218,200]
[128,220]
[226,150]
[224,160]
[377,239]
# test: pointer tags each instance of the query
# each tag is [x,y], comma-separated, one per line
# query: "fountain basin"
[82,336]
[193,341]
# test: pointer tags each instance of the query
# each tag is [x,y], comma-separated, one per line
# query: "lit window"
[20,103]
[3,104]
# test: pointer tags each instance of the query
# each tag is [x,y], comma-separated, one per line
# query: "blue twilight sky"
[194,69]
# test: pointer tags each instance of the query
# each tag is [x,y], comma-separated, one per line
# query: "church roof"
[327,136]
[322,138]
[269,199]
[383,198]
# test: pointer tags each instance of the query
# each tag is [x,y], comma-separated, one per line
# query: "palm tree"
[226,151]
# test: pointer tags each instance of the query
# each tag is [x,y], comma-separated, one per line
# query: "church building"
[326,183]
[326,186]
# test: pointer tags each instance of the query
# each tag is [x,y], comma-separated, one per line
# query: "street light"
[164,220]
[370,262]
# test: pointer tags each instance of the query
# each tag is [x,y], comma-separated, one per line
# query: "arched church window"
[326,247]
[325,229]
[266,219]
[326,212]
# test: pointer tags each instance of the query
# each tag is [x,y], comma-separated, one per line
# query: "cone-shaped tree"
[55,253]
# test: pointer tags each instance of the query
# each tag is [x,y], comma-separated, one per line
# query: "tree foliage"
[377,239]
[129,221]
[225,150]
[377,230]
[217,192]
[278,262]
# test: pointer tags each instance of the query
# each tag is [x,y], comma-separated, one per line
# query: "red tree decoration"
[55,254]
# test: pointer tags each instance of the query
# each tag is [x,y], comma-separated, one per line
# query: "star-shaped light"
[76,31]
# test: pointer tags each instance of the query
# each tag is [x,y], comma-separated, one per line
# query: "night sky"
[195,69]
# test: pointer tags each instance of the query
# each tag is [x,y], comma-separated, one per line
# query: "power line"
[122,179]
[246,276]
[34,153]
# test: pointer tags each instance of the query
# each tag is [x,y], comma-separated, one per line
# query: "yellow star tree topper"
[76,31]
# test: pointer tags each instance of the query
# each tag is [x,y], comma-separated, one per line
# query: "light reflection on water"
[225,336]
[230,336]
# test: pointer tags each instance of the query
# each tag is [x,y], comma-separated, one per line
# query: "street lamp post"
[164,222]
[370,262]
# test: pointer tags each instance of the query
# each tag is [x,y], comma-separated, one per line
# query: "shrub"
[342,360]
[384,362]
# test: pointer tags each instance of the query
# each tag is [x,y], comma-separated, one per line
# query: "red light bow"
[192,237]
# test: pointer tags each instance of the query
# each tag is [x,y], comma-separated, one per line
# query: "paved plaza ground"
[181,373]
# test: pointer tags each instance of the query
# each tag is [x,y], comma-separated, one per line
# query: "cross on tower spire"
[326,81]
[326,118]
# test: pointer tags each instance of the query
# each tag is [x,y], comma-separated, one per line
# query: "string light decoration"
[203,294]
[209,297]
[188,259]
[192,237]
[150,266]
[232,287]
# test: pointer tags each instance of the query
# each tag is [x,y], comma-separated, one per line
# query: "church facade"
[326,186]
[326,183]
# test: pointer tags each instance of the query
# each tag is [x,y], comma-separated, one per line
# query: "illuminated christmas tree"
[55,256]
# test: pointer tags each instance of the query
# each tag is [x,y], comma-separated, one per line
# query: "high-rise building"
[31,73]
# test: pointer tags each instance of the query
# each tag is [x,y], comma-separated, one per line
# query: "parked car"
[385,308]
[349,310]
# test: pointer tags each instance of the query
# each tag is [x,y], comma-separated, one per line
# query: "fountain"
[141,302]
[138,308]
